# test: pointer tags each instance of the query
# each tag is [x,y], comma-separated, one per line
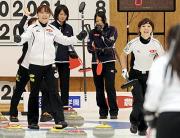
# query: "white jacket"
[162,96]
[42,48]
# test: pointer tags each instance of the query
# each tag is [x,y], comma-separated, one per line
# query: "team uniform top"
[162,94]
[43,38]
[144,53]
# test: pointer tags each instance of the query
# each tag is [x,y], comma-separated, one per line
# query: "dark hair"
[173,40]
[44,7]
[33,19]
[145,21]
[100,14]
[59,9]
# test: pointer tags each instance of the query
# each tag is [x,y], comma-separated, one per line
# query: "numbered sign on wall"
[6,91]
[11,12]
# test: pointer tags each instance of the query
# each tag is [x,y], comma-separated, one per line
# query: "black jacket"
[62,52]
[104,43]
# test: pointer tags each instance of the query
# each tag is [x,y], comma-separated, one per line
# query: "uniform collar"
[59,25]
[40,24]
[144,41]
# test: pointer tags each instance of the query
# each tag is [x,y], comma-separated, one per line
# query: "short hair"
[59,9]
[100,14]
[44,7]
[33,19]
[145,21]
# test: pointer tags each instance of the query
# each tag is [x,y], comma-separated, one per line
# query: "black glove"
[73,54]
[17,38]
[99,29]
[81,35]
[151,119]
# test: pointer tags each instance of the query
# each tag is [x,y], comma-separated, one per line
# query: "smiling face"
[146,30]
[62,17]
[43,16]
[44,12]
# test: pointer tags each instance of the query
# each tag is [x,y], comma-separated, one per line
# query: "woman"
[22,78]
[145,49]
[41,60]
[163,90]
[100,43]
[61,15]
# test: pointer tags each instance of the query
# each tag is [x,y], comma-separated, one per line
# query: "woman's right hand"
[27,12]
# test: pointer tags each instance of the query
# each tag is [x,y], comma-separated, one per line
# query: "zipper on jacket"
[44,44]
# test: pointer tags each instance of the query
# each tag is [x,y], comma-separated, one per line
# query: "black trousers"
[45,106]
[64,75]
[168,125]
[107,80]
[22,79]
[138,92]
[37,74]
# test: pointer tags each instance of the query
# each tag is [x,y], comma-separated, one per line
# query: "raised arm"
[23,21]
[64,40]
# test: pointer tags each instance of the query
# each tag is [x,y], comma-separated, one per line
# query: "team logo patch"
[152,51]
[96,34]
[49,30]
[17,77]
[32,77]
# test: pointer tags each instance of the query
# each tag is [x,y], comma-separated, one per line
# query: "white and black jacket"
[163,94]
[42,48]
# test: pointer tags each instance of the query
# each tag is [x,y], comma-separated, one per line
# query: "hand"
[27,12]
[17,38]
[82,35]
[73,54]
[151,119]
[99,29]
[125,73]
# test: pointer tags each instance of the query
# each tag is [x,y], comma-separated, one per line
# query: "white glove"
[125,73]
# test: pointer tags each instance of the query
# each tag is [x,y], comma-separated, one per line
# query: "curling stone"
[74,133]
[103,130]
[14,131]
[4,122]
[74,120]
[68,110]
[55,133]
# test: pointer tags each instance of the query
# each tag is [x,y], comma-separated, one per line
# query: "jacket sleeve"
[21,24]
[27,35]
[90,43]
[64,40]
[110,39]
